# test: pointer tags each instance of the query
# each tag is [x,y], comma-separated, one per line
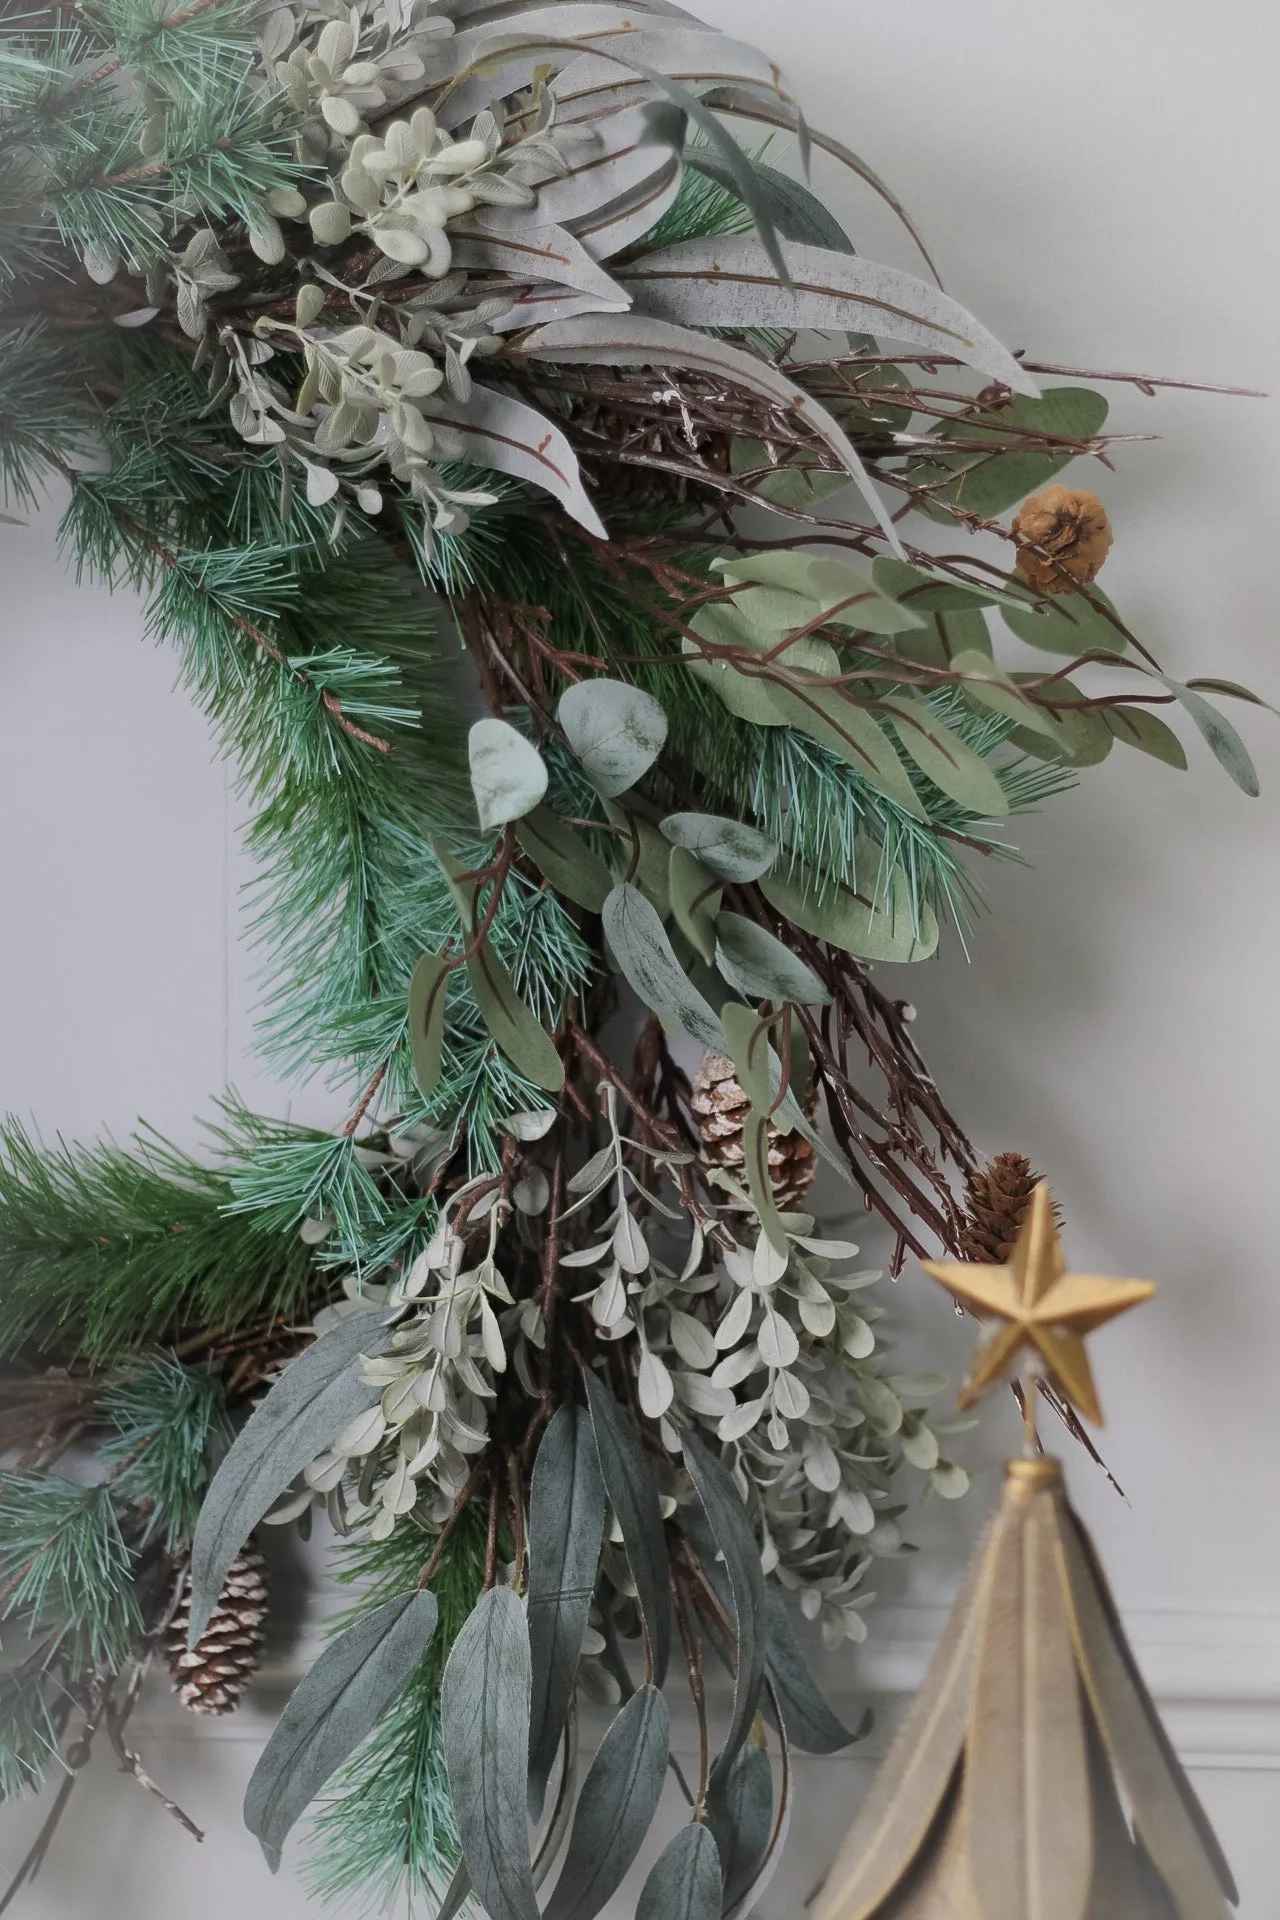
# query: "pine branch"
[170,1421]
[66,1571]
[387,1828]
[103,1250]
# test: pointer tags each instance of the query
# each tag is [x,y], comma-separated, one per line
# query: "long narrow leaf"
[566,1530]
[484,1712]
[633,1495]
[728,1520]
[615,1808]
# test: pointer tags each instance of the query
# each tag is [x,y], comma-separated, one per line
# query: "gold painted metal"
[1032,1779]
[1041,1306]
[1004,1795]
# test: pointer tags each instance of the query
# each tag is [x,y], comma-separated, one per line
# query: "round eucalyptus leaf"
[508,776]
[733,850]
[617,731]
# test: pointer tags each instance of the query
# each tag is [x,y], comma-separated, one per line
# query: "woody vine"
[418,365]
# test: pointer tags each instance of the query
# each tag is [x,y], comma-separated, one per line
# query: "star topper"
[1044,1308]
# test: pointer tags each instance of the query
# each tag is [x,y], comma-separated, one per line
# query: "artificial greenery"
[415,364]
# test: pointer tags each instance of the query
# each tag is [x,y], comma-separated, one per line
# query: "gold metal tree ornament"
[1032,1779]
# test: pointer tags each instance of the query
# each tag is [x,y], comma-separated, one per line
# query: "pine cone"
[996,1199]
[722,1109]
[1071,527]
[212,1678]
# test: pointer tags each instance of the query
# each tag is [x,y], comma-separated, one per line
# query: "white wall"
[1096,182]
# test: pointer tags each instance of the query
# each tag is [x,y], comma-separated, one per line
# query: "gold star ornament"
[1043,1307]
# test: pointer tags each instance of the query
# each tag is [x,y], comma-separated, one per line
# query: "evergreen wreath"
[479,416]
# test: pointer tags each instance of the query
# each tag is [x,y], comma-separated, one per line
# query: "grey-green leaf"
[695,896]
[526,1043]
[1139,727]
[484,1715]
[733,851]
[330,1712]
[809,1721]
[1068,623]
[758,966]
[740,1814]
[685,1882]
[1224,742]
[644,953]
[616,730]
[615,1808]
[727,1517]
[857,922]
[566,1530]
[508,774]
[797,213]
[313,1400]
[560,852]
[428,991]
[633,1495]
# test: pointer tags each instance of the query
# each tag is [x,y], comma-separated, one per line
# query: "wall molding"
[1214,1676]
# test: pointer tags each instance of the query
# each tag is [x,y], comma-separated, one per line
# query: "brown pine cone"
[1071,529]
[722,1109]
[213,1676]
[996,1199]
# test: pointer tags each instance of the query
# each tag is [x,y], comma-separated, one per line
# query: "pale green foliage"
[171,1422]
[66,1571]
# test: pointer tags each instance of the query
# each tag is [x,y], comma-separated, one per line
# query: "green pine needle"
[170,1422]
[65,1570]
[387,1828]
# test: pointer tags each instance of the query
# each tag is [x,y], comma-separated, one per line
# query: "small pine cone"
[996,1199]
[212,1677]
[1069,527]
[722,1109]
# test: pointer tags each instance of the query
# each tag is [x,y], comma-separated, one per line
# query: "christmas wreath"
[573,541]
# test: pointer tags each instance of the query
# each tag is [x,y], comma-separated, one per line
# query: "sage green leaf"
[1231,689]
[456,1894]
[841,595]
[651,853]
[633,1495]
[939,752]
[727,1518]
[983,681]
[643,952]
[725,281]
[484,1718]
[853,735]
[740,1815]
[566,1531]
[748,695]
[499,431]
[756,964]
[732,850]
[799,482]
[695,896]
[562,855]
[753,1058]
[331,1711]
[316,1396]
[508,774]
[1139,727]
[511,1024]
[1068,623]
[1083,739]
[617,731]
[924,592]
[428,991]
[685,1881]
[995,475]
[755,1157]
[879,929]
[615,1808]
[1225,744]
[943,637]
[809,1721]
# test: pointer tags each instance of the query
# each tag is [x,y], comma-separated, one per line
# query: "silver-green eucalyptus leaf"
[733,851]
[615,1808]
[340,1701]
[731,1527]
[643,952]
[757,964]
[508,774]
[616,730]
[685,1882]
[317,1395]
[810,1723]
[484,1717]
[633,1495]
[566,1530]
